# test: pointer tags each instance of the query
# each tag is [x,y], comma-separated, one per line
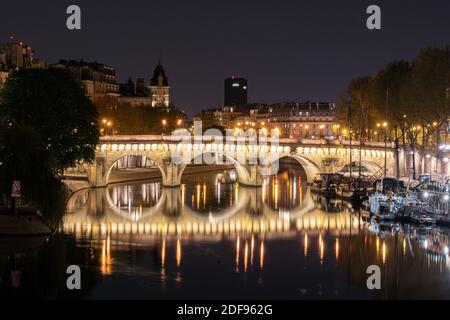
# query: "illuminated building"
[307,120]
[16,55]
[159,87]
[138,93]
[96,79]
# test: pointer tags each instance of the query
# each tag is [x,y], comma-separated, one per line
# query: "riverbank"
[26,223]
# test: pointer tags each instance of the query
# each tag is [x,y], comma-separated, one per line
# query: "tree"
[55,105]
[23,157]
[128,119]
[387,96]
[387,90]
[425,91]
[358,98]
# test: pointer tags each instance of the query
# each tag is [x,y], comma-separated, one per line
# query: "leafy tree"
[387,90]
[426,90]
[55,105]
[24,157]
[126,119]
[425,94]
[387,96]
[412,97]
[358,99]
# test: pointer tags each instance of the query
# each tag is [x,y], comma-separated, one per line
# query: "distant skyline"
[288,50]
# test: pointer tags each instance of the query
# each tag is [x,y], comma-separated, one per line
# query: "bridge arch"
[372,167]
[244,195]
[310,167]
[169,204]
[242,172]
[112,161]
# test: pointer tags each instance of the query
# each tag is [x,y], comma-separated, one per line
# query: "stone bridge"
[252,161]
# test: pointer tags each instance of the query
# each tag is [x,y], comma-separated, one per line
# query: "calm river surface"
[212,239]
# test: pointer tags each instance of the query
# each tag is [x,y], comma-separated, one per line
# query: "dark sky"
[288,50]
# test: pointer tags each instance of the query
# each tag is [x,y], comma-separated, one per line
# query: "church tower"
[159,87]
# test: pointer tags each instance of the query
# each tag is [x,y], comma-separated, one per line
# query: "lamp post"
[413,146]
[109,125]
[385,148]
[378,128]
[164,123]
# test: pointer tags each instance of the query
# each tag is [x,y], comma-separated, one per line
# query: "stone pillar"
[172,203]
[256,205]
[96,205]
[171,176]
[97,173]
[254,177]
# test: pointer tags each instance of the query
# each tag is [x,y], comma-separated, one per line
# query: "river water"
[212,238]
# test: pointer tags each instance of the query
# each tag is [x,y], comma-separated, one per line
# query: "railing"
[248,139]
[192,139]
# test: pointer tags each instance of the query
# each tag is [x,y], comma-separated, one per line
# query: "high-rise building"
[235,92]
[159,87]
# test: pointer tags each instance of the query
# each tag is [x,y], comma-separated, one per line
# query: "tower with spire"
[159,87]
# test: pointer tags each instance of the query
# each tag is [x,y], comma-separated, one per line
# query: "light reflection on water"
[212,238]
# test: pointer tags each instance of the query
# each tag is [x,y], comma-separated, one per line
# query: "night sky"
[288,50]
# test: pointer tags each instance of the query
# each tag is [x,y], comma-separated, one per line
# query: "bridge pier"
[96,173]
[253,178]
[171,174]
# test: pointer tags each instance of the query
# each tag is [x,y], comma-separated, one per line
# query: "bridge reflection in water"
[148,215]
[258,236]
[153,210]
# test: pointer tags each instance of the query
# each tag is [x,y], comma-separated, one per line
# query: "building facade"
[159,87]
[96,79]
[305,120]
[3,76]
[235,92]
[15,55]
[138,93]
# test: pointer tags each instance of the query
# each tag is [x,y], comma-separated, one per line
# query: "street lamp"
[276,132]
[321,131]
[385,124]
[164,123]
